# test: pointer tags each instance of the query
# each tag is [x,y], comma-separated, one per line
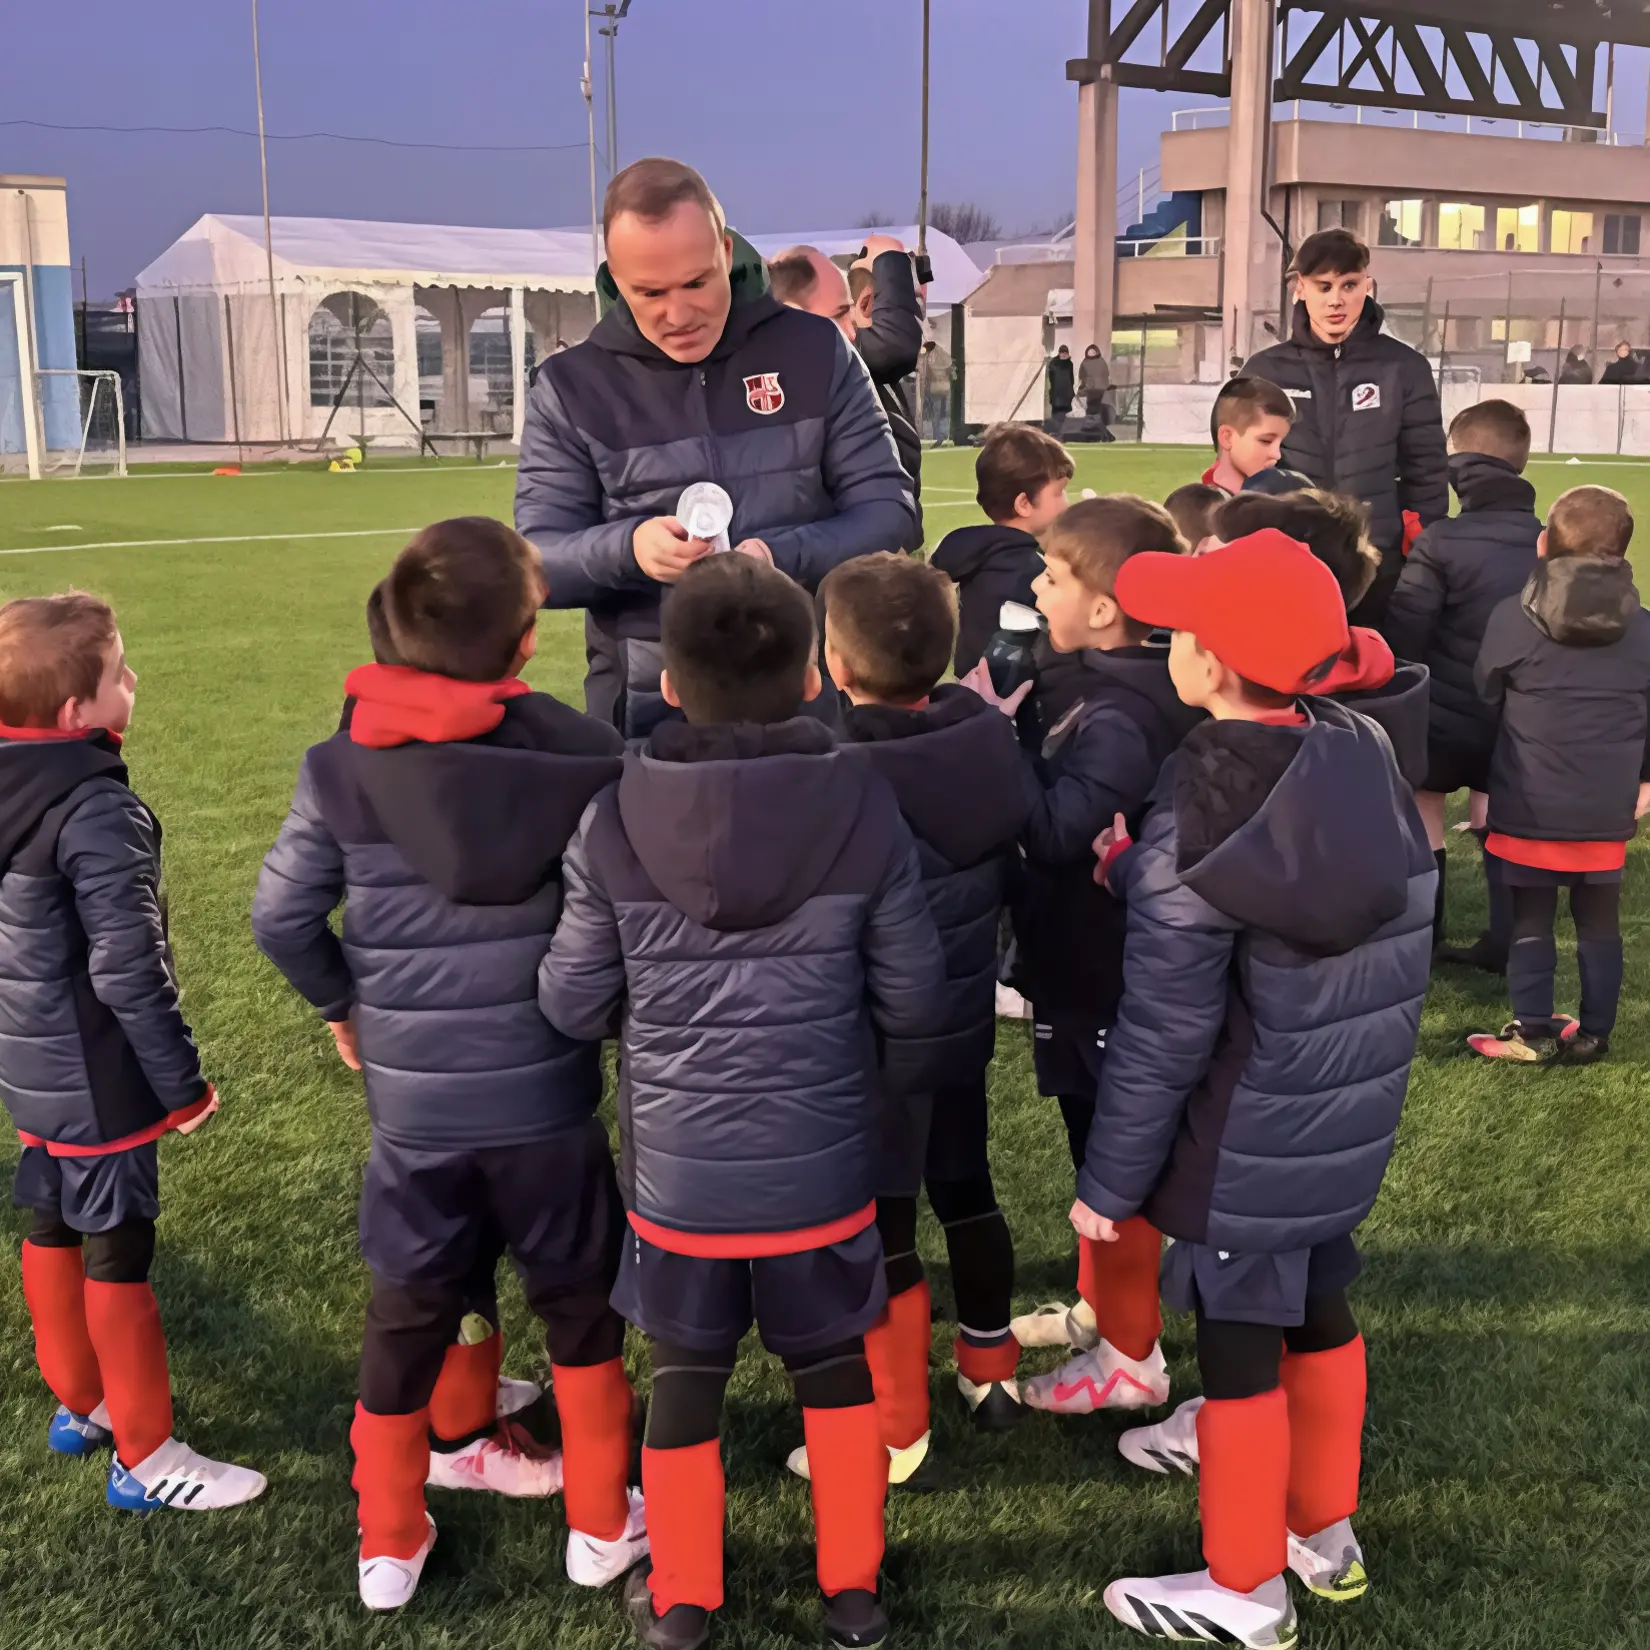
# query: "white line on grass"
[232,538]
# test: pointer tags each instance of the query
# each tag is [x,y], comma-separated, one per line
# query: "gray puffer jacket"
[753,901]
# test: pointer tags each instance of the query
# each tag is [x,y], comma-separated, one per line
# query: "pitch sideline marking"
[228,538]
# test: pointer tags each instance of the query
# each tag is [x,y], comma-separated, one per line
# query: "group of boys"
[1202,818]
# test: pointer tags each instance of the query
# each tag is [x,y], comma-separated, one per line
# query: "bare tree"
[964,221]
[873,220]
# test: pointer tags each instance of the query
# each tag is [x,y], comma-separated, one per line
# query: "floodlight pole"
[922,195]
[590,117]
[269,244]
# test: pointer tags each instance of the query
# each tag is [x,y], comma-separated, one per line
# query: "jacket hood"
[1297,831]
[1368,328]
[967,551]
[396,705]
[954,766]
[486,823]
[617,330]
[1367,663]
[739,824]
[1485,483]
[1143,669]
[36,774]
[1582,601]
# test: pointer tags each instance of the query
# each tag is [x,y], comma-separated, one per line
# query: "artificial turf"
[1504,1304]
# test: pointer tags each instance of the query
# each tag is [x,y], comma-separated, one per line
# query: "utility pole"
[590,116]
[269,244]
[922,194]
[614,12]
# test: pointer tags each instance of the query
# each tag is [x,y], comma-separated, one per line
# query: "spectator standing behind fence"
[1575,369]
[1062,387]
[1367,418]
[1094,383]
[934,377]
[1624,369]
[695,373]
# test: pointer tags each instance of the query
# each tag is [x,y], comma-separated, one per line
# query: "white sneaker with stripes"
[1170,1446]
[1195,1609]
[388,1583]
[182,1479]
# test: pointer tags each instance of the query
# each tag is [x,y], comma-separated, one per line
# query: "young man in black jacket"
[1459,571]
[1022,475]
[1113,718]
[1566,664]
[1367,418]
[96,1063]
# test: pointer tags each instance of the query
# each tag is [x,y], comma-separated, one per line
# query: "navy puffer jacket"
[447,857]
[93,1045]
[753,901]
[955,768]
[1279,937]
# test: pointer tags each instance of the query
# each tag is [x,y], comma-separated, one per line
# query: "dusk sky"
[802,117]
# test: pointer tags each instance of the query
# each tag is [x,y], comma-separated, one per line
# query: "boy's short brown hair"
[1331,252]
[51,651]
[894,621]
[459,599]
[1244,402]
[737,637]
[1332,526]
[1015,459]
[1497,429]
[1097,535]
[1589,521]
[1193,508]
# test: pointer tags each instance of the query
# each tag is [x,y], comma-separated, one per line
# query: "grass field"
[1506,1302]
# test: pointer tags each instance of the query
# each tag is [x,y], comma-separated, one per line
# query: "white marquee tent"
[384,330]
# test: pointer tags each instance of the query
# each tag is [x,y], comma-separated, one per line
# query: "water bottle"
[1010,654]
[707,512]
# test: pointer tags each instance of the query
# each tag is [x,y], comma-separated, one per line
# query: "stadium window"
[1572,231]
[1621,233]
[1461,226]
[1401,223]
[1518,228]
[1341,214]
[347,323]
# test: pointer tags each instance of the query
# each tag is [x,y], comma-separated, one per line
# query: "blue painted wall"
[54,331]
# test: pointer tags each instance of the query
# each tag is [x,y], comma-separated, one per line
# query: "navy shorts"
[1537,876]
[90,1194]
[1068,1058]
[799,1303]
[437,1217]
[1264,1289]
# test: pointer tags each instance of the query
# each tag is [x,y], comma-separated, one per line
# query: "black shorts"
[1248,1288]
[799,1303]
[1538,876]
[1453,768]
[90,1194]
[1068,1058]
[435,1216]
[938,1136]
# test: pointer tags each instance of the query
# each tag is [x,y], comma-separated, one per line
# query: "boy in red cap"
[1279,934]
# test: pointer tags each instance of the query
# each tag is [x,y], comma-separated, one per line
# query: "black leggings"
[1243,1360]
[1595,908]
[688,1386]
[1077,1113]
[978,1244]
[123,1254]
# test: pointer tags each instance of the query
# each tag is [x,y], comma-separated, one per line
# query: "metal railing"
[1195,120]
[1195,246]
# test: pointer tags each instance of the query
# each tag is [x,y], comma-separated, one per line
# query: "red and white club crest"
[763,394]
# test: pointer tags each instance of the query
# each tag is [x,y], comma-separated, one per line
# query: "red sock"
[1326,1392]
[54,1285]
[123,1321]
[984,1364]
[392,1460]
[595,1405]
[848,1471]
[896,1347]
[1243,1482]
[465,1399]
[686,1507]
[1119,1281]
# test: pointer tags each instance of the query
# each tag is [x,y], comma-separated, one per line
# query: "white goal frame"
[11,285]
[100,376]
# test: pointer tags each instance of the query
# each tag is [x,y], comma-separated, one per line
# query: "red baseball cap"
[1263,605]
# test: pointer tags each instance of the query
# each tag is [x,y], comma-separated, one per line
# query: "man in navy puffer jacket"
[753,901]
[439,812]
[1279,913]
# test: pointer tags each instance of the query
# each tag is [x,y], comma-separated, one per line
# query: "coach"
[694,373]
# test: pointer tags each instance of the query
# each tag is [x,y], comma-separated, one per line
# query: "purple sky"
[802,117]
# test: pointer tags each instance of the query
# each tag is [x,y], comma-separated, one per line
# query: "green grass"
[1505,1301]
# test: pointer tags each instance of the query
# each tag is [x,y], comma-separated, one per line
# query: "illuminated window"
[1518,228]
[1401,223]
[1572,231]
[1461,226]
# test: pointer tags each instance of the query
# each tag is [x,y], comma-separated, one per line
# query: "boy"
[1367,420]
[438,813]
[750,901]
[1114,719]
[1567,667]
[96,1062]
[1458,573]
[1279,903]
[1250,423]
[954,764]
[1023,475]
[1193,507]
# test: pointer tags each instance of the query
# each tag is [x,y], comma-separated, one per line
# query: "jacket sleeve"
[299,888]
[1176,961]
[1108,771]
[1423,453]
[1416,602]
[1497,653]
[559,508]
[110,853]
[892,343]
[904,961]
[875,507]
[582,978]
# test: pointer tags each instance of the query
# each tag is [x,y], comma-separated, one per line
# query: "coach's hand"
[756,549]
[1091,1225]
[664,549]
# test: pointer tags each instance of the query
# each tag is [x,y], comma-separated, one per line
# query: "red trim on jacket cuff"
[172,1120]
[753,1245]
